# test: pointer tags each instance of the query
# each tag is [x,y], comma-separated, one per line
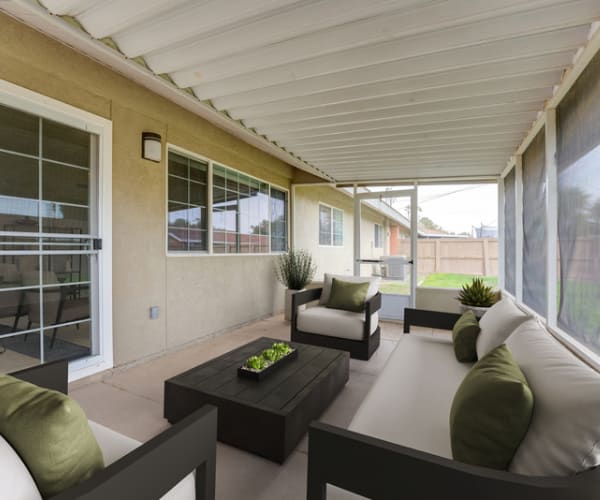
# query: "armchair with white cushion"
[356,332]
[177,464]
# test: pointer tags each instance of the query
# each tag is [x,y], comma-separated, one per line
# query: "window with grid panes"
[240,213]
[187,204]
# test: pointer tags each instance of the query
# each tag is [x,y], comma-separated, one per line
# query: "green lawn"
[448,280]
[394,287]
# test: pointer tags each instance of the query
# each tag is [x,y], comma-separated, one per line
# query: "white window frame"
[211,164]
[37,104]
[331,208]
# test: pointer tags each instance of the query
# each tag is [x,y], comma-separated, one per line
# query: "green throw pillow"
[348,295]
[51,434]
[491,411]
[464,337]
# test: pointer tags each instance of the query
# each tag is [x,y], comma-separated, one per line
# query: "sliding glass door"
[48,241]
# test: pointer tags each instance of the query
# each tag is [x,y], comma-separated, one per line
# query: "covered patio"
[159,160]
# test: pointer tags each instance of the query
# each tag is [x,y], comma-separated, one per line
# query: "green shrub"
[295,269]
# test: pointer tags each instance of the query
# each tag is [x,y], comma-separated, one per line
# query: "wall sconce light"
[151,147]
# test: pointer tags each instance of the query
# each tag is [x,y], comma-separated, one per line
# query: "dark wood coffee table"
[268,417]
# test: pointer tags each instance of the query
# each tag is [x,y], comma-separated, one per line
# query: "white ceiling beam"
[107,18]
[544,80]
[459,149]
[373,130]
[422,155]
[493,135]
[484,129]
[227,95]
[68,7]
[193,21]
[428,17]
[502,28]
[499,161]
[524,96]
[487,111]
[480,73]
[307,17]
[483,168]
[415,172]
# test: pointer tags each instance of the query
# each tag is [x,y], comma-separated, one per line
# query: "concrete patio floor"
[130,400]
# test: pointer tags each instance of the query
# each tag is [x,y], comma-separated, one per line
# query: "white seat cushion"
[409,404]
[328,280]
[115,445]
[335,322]
[16,482]
[564,434]
[497,324]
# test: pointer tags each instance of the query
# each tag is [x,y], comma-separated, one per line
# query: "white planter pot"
[478,311]
[288,303]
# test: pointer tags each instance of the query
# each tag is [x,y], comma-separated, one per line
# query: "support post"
[357,218]
[551,217]
[519,228]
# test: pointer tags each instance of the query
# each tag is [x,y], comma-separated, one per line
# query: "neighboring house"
[324,224]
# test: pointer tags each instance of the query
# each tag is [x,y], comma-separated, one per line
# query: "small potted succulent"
[258,366]
[477,296]
[294,270]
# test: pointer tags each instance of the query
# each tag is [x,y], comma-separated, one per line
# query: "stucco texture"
[197,296]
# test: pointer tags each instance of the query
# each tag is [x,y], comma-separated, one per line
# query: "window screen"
[331,226]
[578,155]
[509,232]
[534,225]
[278,220]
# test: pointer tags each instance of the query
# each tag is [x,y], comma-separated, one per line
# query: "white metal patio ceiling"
[362,90]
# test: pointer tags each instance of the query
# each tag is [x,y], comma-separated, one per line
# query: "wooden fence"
[478,256]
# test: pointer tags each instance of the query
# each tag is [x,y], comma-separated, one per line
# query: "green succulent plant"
[256,363]
[477,294]
[281,348]
[270,355]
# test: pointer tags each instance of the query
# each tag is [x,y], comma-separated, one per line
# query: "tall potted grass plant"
[294,270]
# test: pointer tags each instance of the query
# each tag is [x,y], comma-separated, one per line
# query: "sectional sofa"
[398,443]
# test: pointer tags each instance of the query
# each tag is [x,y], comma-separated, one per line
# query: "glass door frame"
[410,193]
[45,107]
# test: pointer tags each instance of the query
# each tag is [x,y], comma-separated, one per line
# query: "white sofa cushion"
[564,434]
[497,324]
[335,322]
[115,445]
[16,482]
[328,280]
[410,402]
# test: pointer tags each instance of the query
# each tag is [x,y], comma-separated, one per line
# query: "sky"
[457,208]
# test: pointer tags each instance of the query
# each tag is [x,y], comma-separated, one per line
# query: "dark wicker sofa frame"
[382,470]
[359,349]
[155,467]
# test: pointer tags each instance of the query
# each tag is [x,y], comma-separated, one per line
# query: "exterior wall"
[305,208]
[332,259]
[198,295]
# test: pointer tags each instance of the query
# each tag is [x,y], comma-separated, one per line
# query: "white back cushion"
[497,324]
[15,481]
[328,280]
[564,434]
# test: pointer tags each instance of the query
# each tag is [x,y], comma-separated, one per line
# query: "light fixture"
[151,147]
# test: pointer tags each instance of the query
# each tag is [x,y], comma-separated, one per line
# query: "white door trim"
[46,107]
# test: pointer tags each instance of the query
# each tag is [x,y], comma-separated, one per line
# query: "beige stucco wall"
[197,296]
[332,259]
